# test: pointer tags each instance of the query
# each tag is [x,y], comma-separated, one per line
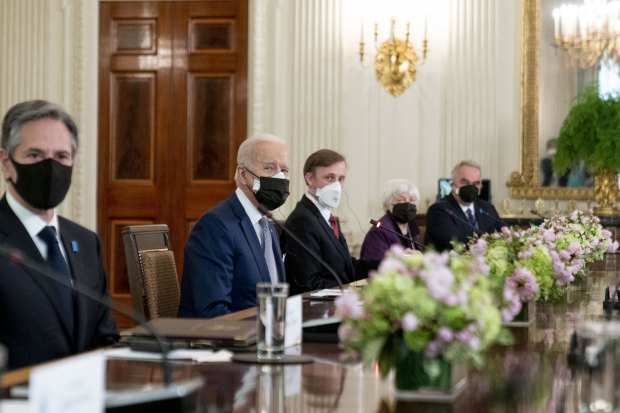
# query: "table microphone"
[17,257]
[538,214]
[473,227]
[377,224]
[501,221]
[263,210]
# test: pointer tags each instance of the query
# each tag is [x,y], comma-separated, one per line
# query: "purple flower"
[349,305]
[463,335]
[445,334]
[392,264]
[548,235]
[574,249]
[474,343]
[480,247]
[565,255]
[438,282]
[506,231]
[523,255]
[512,302]
[525,283]
[606,233]
[432,348]
[612,247]
[434,259]
[410,322]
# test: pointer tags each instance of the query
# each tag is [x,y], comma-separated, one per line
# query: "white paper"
[292,332]
[199,356]
[74,385]
[326,293]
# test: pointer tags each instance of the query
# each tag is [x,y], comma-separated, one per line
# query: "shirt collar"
[466,207]
[31,221]
[252,212]
[325,211]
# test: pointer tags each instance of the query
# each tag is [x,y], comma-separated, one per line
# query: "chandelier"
[396,62]
[588,33]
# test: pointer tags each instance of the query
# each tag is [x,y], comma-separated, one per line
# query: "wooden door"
[172,113]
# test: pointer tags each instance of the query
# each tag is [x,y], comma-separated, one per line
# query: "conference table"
[531,375]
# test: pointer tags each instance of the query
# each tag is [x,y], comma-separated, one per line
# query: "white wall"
[313,91]
[306,84]
[49,51]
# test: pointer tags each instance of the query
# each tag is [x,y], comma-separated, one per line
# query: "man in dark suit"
[42,319]
[312,222]
[459,214]
[232,246]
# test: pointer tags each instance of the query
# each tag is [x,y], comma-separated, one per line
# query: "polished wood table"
[532,375]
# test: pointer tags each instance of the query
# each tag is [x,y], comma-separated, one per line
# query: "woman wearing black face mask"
[399,201]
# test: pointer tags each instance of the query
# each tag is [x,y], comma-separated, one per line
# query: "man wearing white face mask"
[313,223]
[232,246]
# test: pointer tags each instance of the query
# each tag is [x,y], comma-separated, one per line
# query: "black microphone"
[377,224]
[17,257]
[501,221]
[473,227]
[263,210]
[538,214]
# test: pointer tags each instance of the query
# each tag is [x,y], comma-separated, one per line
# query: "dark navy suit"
[31,322]
[445,221]
[223,262]
[304,272]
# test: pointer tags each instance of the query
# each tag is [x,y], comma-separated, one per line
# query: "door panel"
[172,113]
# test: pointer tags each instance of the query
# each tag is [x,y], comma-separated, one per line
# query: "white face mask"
[256,186]
[329,195]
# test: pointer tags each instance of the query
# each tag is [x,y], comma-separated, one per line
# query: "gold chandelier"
[396,62]
[588,33]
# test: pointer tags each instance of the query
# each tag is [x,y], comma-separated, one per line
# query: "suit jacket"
[31,323]
[223,262]
[379,240]
[303,271]
[443,226]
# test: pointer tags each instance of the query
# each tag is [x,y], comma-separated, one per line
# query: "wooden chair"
[153,280]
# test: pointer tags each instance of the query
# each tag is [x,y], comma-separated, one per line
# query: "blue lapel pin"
[74,246]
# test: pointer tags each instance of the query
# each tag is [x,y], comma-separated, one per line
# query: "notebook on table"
[195,333]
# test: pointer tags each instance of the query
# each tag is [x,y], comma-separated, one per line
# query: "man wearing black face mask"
[232,246]
[41,320]
[460,214]
[400,200]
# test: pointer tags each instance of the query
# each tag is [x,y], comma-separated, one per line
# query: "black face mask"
[404,212]
[468,193]
[43,185]
[272,192]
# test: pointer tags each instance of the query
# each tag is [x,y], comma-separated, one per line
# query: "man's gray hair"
[31,111]
[244,154]
[472,164]
[395,187]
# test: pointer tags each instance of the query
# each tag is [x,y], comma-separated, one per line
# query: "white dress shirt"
[34,224]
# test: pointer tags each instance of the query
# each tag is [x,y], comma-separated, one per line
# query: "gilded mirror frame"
[524,184]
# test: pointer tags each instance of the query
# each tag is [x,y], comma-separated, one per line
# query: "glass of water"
[271,319]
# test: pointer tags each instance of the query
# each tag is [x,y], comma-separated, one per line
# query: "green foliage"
[590,132]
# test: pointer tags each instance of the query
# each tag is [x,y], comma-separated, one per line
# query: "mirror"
[548,87]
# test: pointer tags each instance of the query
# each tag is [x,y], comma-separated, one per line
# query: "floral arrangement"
[520,268]
[540,262]
[440,305]
[578,238]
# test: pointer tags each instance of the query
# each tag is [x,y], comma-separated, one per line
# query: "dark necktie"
[57,263]
[334,224]
[268,250]
[471,218]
